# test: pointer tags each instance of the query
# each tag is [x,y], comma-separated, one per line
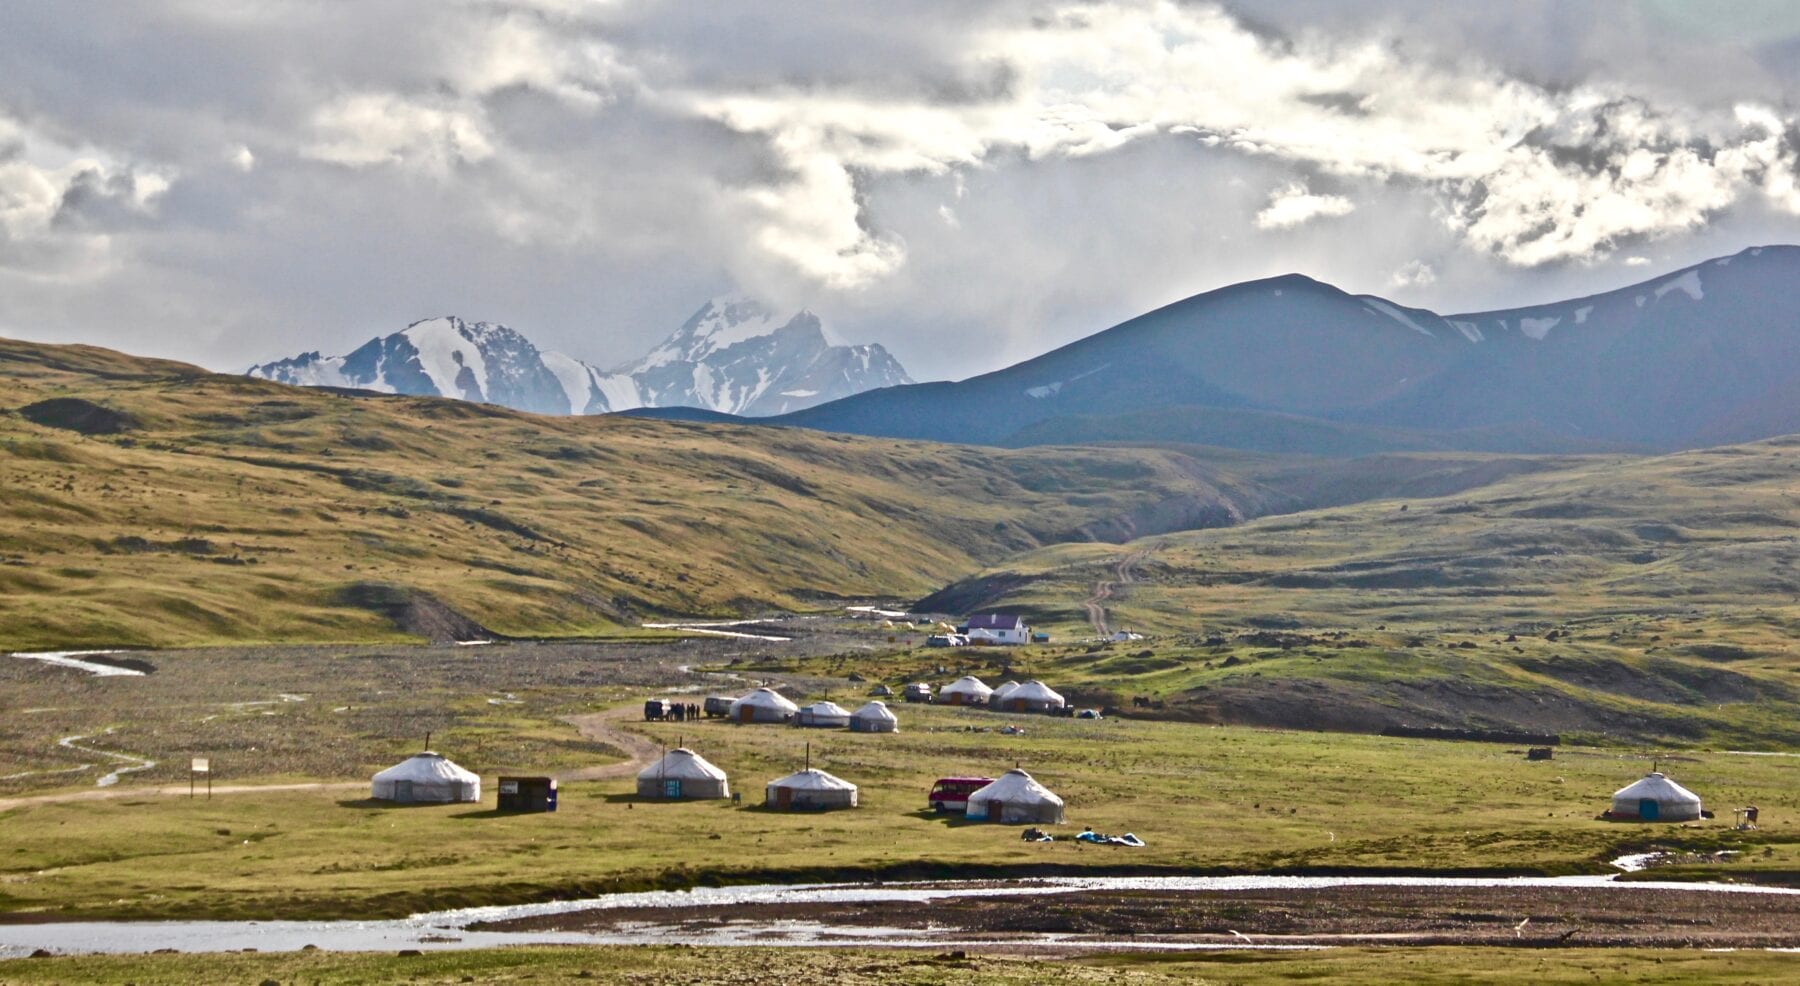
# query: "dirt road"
[602,727]
[1124,573]
[599,726]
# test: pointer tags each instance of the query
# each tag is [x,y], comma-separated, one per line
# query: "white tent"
[1032,696]
[1656,799]
[874,717]
[425,777]
[682,773]
[763,705]
[968,690]
[823,715]
[1002,690]
[1015,799]
[811,788]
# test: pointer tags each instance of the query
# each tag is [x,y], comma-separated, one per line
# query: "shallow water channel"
[451,929]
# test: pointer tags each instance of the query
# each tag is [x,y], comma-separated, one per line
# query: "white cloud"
[1294,205]
[1413,273]
[54,219]
[365,129]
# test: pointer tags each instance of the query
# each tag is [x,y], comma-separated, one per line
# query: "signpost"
[201,765]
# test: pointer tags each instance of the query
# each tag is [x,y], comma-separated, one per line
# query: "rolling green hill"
[1619,599]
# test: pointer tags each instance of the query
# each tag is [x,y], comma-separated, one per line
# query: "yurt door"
[403,791]
[784,797]
[1649,810]
[746,714]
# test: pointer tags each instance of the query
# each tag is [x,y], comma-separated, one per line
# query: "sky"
[969,184]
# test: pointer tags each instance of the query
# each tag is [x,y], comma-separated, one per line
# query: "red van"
[952,793]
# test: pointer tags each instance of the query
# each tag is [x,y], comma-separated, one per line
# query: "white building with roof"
[875,717]
[682,774]
[425,777]
[967,690]
[763,705]
[809,789]
[1015,798]
[1655,798]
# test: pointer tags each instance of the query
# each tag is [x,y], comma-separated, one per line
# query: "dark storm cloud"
[967,183]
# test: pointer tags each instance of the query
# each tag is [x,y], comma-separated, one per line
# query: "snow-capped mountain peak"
[733,355]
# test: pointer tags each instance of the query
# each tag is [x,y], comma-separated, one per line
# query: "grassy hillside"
[1626,599]
[151,503]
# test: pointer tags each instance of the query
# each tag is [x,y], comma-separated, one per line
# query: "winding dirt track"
[601,727]
[1125,573]
[598,726]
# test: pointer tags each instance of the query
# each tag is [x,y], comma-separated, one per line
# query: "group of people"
[683,711]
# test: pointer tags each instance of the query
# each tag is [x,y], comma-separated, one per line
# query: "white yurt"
[823,715]
[1032,696]
[426,777]
[1001,691]
[1015,799]
[874,717]
[968,690]
[682,773]
[811,788]
[1655,799]
[763,705]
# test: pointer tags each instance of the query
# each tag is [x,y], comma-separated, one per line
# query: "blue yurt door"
[1649,810]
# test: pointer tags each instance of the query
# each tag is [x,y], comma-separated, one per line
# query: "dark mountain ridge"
[1705,355]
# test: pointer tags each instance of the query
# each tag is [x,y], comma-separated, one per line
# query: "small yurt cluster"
[1032,696]
[1010,696]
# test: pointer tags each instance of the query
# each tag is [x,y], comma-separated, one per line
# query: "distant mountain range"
[734,356]
[1706,355]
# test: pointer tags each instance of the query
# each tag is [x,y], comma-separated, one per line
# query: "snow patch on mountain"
[1688,283]
[1378,307]
[1537,328]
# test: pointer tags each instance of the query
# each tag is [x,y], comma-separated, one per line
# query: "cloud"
[1021,172]
[1413,273]
[1294,205]
[385,128]
[54,219]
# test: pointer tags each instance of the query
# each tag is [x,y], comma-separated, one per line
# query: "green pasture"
[1205,798]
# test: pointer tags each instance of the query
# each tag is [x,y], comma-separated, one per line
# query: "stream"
[451,929]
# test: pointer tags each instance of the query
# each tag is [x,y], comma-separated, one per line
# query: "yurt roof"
[967,685]
[767,698]
[813,779]
[876,710]
[1006,688]
[1658,788]
[427,766]
[827,708]
[681,763]
[1035,691]
[1016,787]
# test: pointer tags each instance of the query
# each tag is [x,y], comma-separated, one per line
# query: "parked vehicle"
[717,705]
[951,794]
[657,709]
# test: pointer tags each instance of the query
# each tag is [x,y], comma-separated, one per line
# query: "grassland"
[154,504]
[1627,601]
[1205,798]
[1424,966]
[160,505]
